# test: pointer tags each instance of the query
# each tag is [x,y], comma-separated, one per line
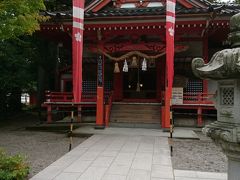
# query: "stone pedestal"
[233,169]
[224,67]
[226,130]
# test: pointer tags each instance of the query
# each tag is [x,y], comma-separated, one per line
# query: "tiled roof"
[142,11]
[110,11]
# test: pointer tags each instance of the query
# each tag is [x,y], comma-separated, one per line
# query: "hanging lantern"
[134,62]
[116,68]
[125,66]
[144,65]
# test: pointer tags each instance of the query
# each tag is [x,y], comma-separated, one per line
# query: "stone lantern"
[224,67]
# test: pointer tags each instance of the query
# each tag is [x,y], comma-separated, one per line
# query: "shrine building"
[122,74]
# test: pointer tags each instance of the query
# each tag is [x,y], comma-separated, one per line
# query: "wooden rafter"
[185,4]
[101,5]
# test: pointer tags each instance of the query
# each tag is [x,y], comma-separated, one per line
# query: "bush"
[12,167]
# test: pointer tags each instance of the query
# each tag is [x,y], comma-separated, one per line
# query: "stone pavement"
[198,175]
[178,132]
[120,157]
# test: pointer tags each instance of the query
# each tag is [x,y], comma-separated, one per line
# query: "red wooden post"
[49,114]
[167,109]
[107,114]
[100,94]
[170,31]
[199,117]
[77,48]
[162,68]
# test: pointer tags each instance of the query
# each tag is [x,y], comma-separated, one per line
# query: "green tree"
[19,17]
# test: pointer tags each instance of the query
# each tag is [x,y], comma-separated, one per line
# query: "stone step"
[125,113]
[136,107]
[132,113]
[136,121]
[136,116]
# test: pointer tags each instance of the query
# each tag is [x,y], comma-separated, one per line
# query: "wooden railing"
[68,96]
[58,96]
[63,100]
[198,98]
[198,102]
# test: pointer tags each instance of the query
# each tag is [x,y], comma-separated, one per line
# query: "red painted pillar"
[77,48]
[166,103]
[166,123]
[100,94]
[199,117]
[49,114]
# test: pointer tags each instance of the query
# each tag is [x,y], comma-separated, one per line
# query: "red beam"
[101,5]
[185,3]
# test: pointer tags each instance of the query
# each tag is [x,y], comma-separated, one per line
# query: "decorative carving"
[224,64]
[122,47]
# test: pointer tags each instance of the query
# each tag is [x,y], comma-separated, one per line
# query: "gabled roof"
[97,5]
[106,8]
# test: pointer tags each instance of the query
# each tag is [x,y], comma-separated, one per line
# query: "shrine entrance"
[138,84]
[139,80]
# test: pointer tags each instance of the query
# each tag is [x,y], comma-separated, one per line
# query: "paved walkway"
[178,132]
[120,157]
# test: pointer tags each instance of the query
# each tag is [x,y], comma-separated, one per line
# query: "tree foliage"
[13,167]
[19,17]
[58,5]
[15,63]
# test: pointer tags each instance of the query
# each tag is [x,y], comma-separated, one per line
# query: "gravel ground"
[199,155]
[43,148]
[39,148]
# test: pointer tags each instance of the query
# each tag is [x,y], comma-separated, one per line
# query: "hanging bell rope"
[129,54]
[144,65]
[134,62]
[116,68]
[125,66]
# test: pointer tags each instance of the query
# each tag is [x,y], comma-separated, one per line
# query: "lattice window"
[194,86]
[227,96]
[91,86]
